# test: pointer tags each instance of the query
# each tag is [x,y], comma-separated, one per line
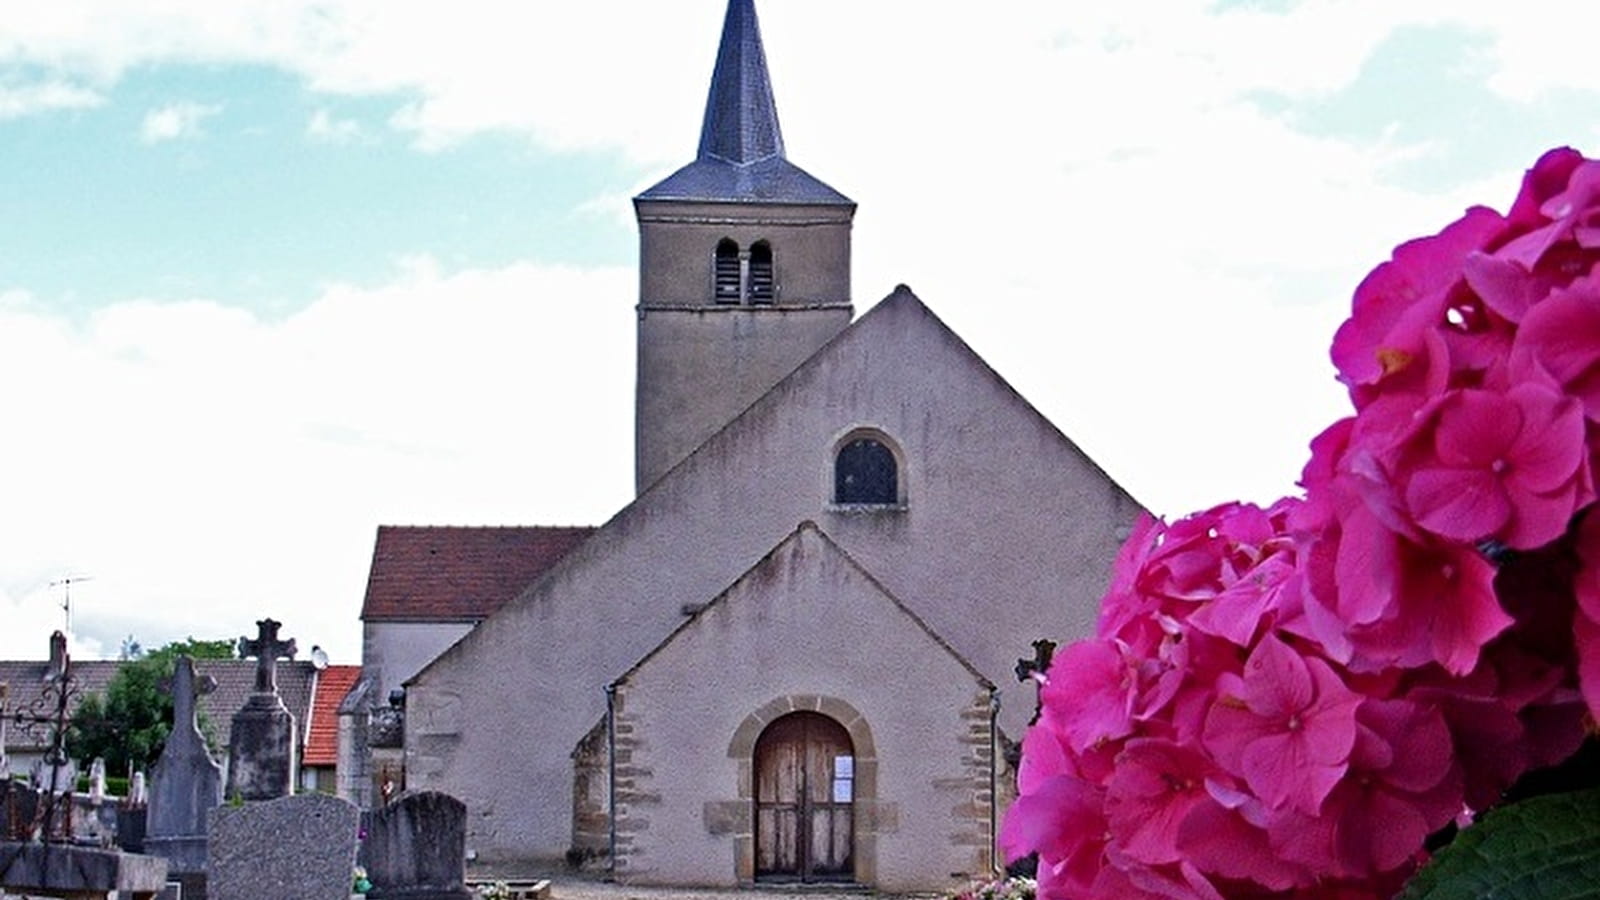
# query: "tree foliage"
[128,725]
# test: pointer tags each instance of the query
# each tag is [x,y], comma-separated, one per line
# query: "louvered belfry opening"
[728,283]
[761,280]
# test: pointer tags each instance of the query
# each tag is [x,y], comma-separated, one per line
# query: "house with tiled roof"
[299,681]
[786,659]
[319,757]
[430,585]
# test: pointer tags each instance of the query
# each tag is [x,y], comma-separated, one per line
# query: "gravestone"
[97,781]
[261,748]
[291,848]
[186,784]
[416,848]
[79,872]
[20,808]
[51,773]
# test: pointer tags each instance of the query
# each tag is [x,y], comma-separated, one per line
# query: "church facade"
[791,656]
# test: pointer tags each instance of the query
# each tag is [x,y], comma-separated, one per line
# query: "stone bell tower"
[744,265]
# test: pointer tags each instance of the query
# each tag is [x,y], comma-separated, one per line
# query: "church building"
[791,657]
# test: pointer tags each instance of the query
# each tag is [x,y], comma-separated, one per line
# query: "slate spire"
[741,124]
[741,157]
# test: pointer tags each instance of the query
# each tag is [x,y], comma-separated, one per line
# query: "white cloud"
[17,101]
[207,467]
[175,121]
[628,76]
[324,128]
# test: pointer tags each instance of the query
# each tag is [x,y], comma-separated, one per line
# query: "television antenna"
[66,597]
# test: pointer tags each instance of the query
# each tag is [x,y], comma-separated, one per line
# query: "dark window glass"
[865,473]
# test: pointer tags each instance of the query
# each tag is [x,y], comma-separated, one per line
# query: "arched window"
[761,282]
[729,286]
[865,472]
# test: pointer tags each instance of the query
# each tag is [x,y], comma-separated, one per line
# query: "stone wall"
[591,803]
[689,717]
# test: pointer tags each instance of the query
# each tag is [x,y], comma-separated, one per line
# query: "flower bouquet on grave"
[1009,888]
[1308,699]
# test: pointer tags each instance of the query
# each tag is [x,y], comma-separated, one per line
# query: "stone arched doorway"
[865,808]
[804,800]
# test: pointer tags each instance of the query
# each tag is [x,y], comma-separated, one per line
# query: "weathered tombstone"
[295,848]
[130,828]
[97,781]
[54,775]
[19,811]
[64,871]
[137,794]
[261,748]
[186,785]
[96,824]
[416,848]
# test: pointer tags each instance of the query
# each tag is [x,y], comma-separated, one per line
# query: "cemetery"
[199,827]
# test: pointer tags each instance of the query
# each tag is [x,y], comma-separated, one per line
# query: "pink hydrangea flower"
[1389,333]
[1286,727]
[1063,820]
[1510,466]
[1156,785]
[1099,683]
[1403,786]
[1559,344]
[1401,602]
[1290,699]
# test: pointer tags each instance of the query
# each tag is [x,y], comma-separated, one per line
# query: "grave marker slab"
[416,848]
[291,848]
[66,871]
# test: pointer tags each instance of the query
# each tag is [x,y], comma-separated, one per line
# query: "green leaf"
[1543,848]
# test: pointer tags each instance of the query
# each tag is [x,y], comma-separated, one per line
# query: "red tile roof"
[322,735]
[448,574]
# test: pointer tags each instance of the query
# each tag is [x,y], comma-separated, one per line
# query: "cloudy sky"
[273,272]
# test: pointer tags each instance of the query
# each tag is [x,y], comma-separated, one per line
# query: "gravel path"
[577,887]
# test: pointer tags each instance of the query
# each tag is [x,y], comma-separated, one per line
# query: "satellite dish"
[319,658]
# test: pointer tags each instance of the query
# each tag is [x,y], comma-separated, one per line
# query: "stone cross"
[267,650]
[186,687]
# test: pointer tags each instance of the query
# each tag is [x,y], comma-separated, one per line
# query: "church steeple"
[744,264]
[741,124]
[741,157]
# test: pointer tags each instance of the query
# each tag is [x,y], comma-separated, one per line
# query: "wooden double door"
[805,791]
